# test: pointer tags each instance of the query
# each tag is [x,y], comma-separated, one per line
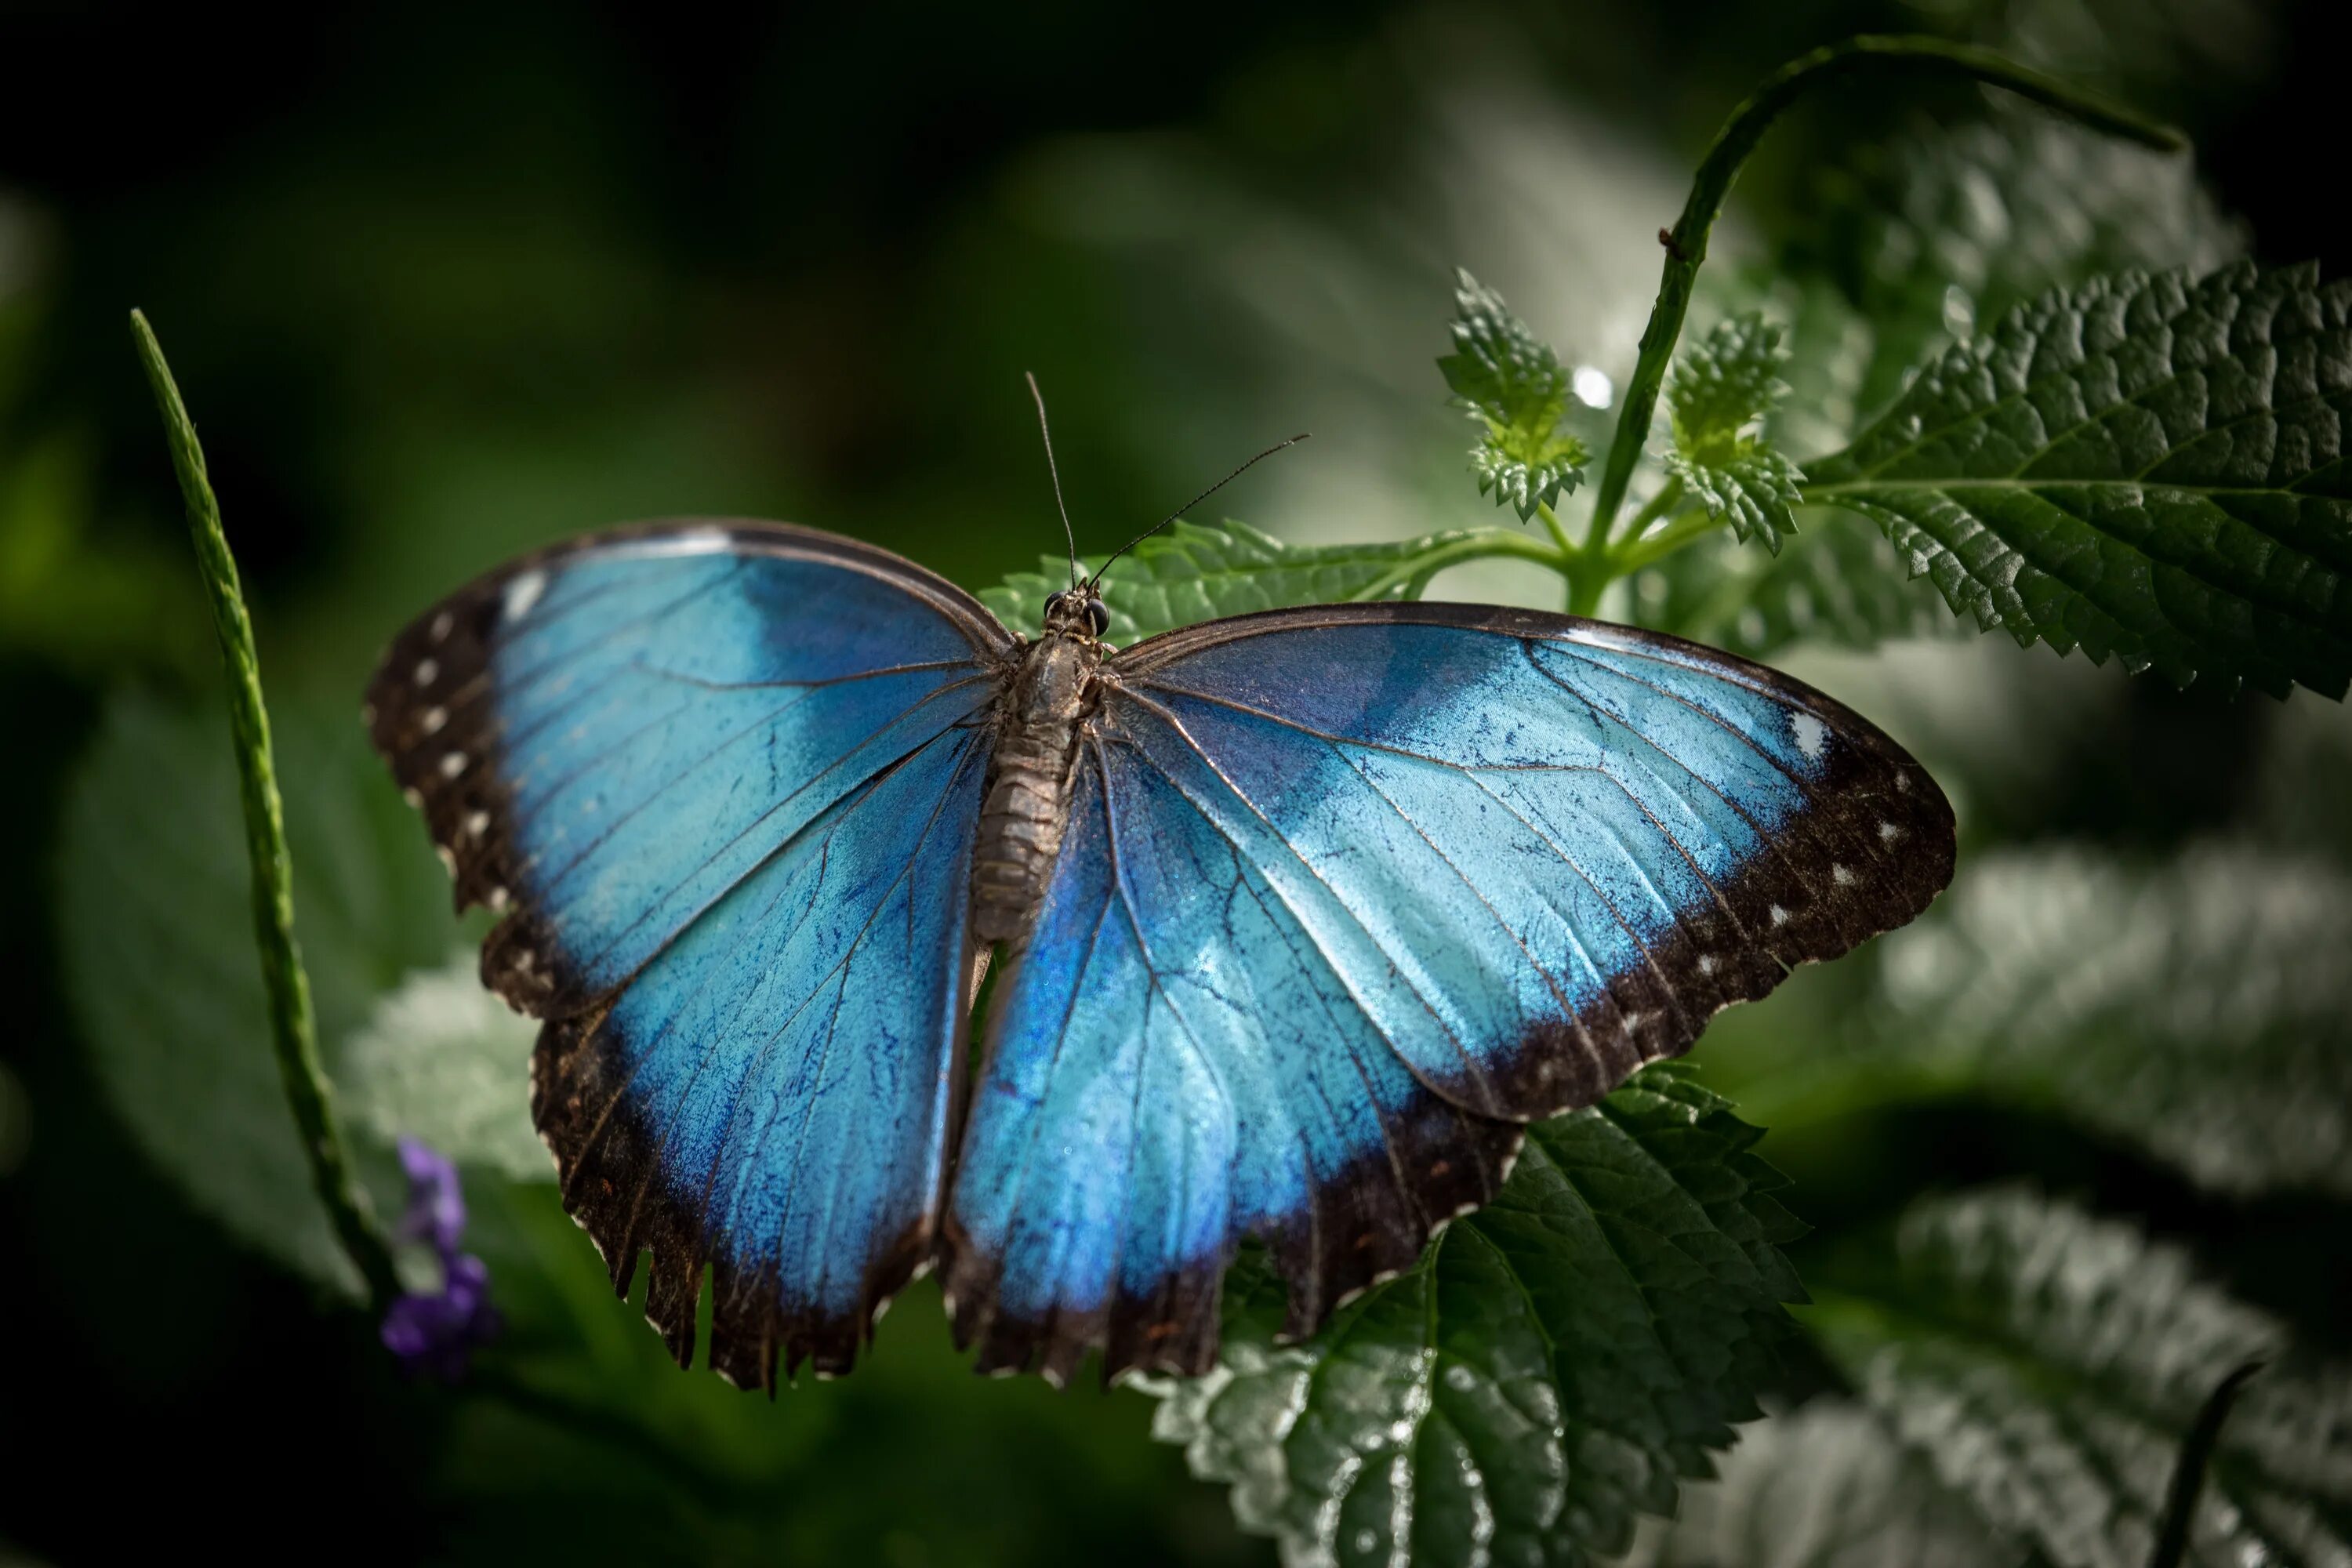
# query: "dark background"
[440,281]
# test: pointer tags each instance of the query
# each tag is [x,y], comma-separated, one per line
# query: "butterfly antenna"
[1196,501]
[1047,431]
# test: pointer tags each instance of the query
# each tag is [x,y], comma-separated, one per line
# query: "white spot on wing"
[427,671]
[1706,963]
[434,718]
[1813,735]
[477,823]
[523,593]
[442,624]
[1889,832]
[1779,916]
[1841,875]
[452,763]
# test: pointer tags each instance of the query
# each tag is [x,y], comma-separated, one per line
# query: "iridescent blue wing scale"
[1350,894]
[724,779]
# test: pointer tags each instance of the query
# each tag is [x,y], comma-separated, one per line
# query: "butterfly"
[1301,917]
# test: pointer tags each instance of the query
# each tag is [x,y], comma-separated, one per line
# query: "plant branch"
[1596,540]
[1639,551]
[1559,530]
[1687,243]
[293,1026]
[1477,544]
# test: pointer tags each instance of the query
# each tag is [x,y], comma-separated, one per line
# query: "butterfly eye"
[1053,606]
[1097,617]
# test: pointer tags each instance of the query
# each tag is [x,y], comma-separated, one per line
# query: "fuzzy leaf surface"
[1555,1364]
[2047,1365]
[2147,467]
[2200,1009]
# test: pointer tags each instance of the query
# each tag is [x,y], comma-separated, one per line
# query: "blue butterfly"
[1304,915]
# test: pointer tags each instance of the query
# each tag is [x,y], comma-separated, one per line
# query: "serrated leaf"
[1516,386]
[2201,1009]
[2048,1365]
[1197,572]
[442,1058]
[1840,582]
[2144,466]
[1751,487]
[156,932]
[1936,230]
[1724,386]
[1553,1367]
[1825,1488]
[1525,483]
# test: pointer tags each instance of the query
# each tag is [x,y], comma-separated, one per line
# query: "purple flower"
[436,1214]
[435,1332]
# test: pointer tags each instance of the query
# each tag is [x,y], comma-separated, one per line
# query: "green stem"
[1639,551]
[1559,530]
[1598,543]
[1585,587]
[1477,544]
[293,1028]
[1686,245]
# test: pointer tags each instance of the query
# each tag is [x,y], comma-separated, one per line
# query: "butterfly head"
[1079,612]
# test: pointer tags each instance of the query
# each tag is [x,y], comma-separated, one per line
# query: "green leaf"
[1839,582]
[2146,466]
[2200,1010]
[1516,386]
[2048,1365]
[156,929]
[1751,487]
[443,1060]
[1722,389]
[1725,384]
[1824,1487]
[1198,572]
[1934,231]
[1551,1367]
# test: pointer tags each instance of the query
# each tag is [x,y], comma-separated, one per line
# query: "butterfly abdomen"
[1027,799]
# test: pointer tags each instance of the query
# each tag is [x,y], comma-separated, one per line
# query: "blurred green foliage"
[444,284]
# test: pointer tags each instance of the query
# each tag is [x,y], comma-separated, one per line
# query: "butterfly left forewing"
[723,780]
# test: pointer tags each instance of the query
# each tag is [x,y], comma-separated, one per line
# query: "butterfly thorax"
[1028,790]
